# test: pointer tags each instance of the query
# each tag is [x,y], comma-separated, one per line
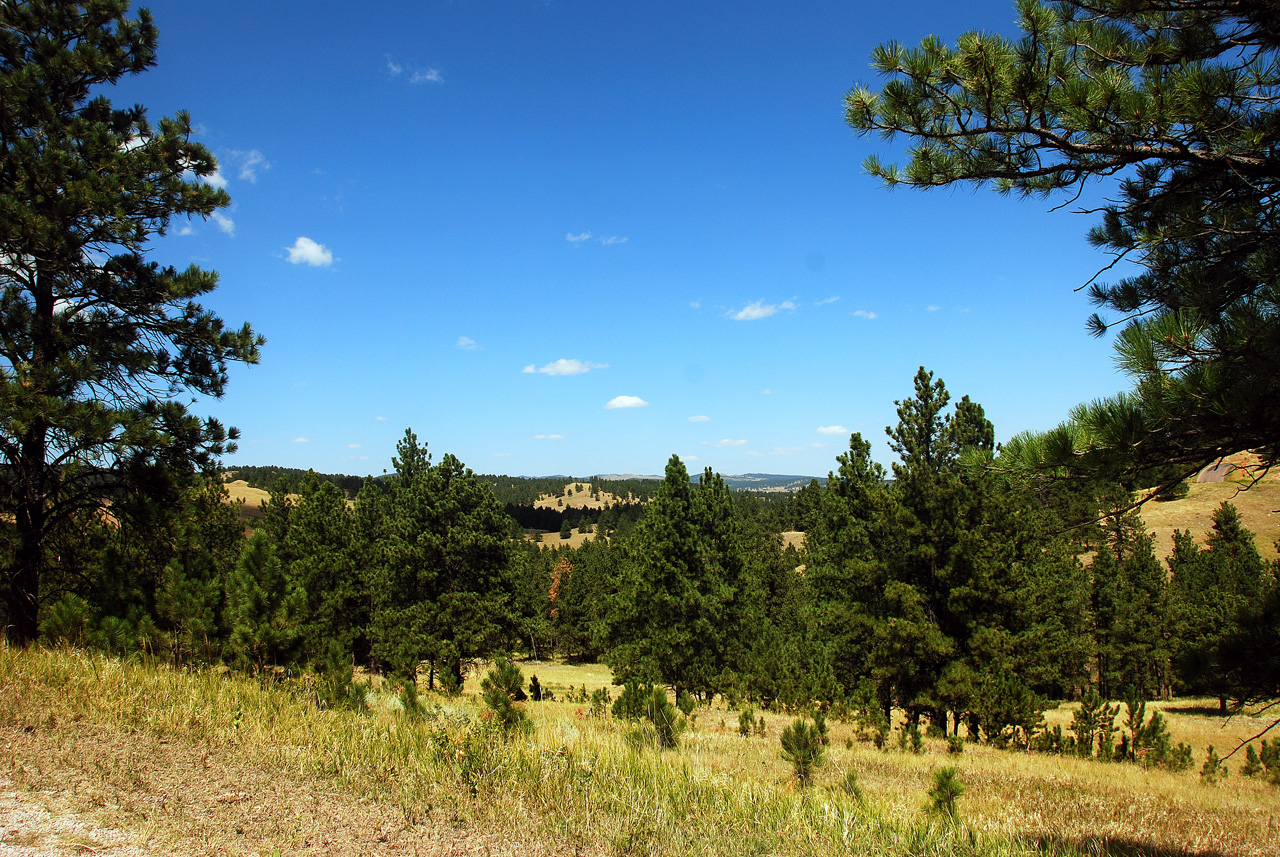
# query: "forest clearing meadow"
[210,762]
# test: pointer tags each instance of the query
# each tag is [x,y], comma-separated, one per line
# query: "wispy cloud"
[226,224]
[380,419]
[932,308]
[695,304]
[826,301]
[187,229]
[578,238]
[548,437]
[466,343]
[302,440]
[564,367]
[759,309]
[354,446]
[614,239]
[217,179]
[768,391]
[618,402]
[723,444]
[417,74]
[700,419]
[833,430]
[864,313]
[307,252]
[250,162]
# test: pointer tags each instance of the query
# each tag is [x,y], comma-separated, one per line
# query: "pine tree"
[97,345]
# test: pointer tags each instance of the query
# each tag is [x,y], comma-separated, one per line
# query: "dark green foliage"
[264,609]
[599,701]
[99,348]
[442,591]
[630,704]
[686,703]
[1093,718]
[1252,766]
[665,717]
[535,689]
[946,790]
[955,745]
[502,688]
[269,476]
[1177,99]
[746,722]
[1129,611]
[851,787]
[803,747]
[566,531]
[1006,710]
[1213,771]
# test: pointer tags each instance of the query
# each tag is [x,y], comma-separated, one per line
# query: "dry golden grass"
[1259,508]
[223,764]
[577,495]
[576,540]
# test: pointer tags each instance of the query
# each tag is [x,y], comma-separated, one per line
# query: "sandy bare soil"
[81,789]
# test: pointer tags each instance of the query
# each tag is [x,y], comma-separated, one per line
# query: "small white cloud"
[695,304]
[863,313]
[932,308]
[302,440]
[466,343]
[759,309]
[226,224]
[576,239]
[250,162]
[217,179]
[614,239]
[826,301]
[308,252]
[618,402]
[548,437]
[381,419]
[833,430]
[768,391]
[564,367]
[426,75]
[393,68]
[354,446]
[690,457]
[700,419]
[187,229]
[727,442]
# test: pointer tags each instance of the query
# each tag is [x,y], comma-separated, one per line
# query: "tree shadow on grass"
[1107,846]
[1200,710]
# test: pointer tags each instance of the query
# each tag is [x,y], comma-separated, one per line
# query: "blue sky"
[570,237]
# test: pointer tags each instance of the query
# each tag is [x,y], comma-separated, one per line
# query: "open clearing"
[104,756]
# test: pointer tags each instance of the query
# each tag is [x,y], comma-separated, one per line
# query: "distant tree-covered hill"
[266,478]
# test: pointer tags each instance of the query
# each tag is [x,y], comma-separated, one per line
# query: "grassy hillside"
[1259,507]
[189,763]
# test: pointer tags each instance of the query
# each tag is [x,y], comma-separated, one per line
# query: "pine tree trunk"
[30,516]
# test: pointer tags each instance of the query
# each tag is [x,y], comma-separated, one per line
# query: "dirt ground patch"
[82,789]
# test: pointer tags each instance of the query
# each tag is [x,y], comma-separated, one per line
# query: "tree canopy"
[1176,100]
[96,343]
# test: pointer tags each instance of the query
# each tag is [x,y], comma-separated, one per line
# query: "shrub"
[955,745]
[946,789]
[746,722]
[1089,721]
[599,701]
[630,704]
[665,718]
[1213,771]
[1252,763]
[535,689]
[802,747]
[686,703]
[851,786]
[502,688]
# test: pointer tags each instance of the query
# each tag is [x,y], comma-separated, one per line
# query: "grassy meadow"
[218,763]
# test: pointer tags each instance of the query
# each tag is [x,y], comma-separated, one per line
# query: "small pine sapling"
[851,786]
[666,719]
[955,745]
[686,703]
[502,687]
[1213,771]
[802,747]
[947,788]
[761,727]
[820,721]
[535,689]
[1270,758]
[1252,763]
[630,703]
[746,722]
[600,702]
